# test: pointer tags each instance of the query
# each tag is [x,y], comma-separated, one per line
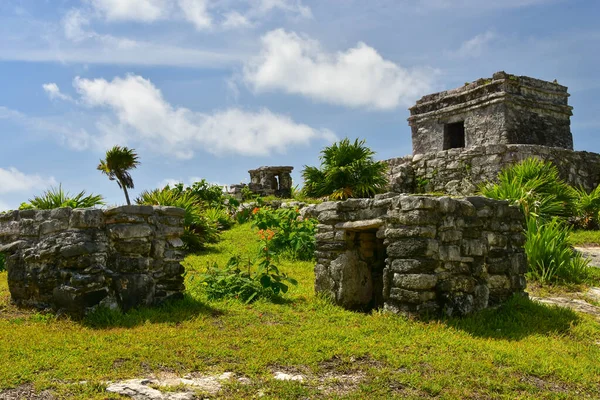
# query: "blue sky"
[212,88]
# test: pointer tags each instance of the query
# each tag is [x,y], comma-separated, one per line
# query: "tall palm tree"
[119,160]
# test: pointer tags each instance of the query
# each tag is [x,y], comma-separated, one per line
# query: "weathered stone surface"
[77,260]
[426,254]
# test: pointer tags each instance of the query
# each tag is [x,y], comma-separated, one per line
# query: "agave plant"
[57,197]
[198,230]
[347,170]
[536,187]
[119,160]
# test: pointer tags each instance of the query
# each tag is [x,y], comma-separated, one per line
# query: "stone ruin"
[267,181]
[75,260]
[465,136]
[419,254]
[414,254]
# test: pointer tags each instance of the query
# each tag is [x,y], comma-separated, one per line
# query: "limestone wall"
[460,171]
[75,260]
[414,254]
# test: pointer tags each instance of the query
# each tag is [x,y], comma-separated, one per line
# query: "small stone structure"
[77,259]
[505,109]
[268,181]
[466,136]
[416,254]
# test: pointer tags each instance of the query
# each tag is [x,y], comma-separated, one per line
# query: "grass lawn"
[521,351]
[585,238]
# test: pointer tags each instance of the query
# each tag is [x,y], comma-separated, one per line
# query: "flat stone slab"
[577,305]
[591,253]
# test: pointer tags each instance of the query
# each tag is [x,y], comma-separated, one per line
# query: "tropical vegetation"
[57,197]
[117,164]
[348,169]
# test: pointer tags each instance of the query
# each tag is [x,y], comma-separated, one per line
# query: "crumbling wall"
[460,171]
[442,254]
[77,259]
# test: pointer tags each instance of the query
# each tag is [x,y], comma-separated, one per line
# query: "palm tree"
[348,169]
[119,160]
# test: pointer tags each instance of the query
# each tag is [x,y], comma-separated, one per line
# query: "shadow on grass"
[516,319]
[171,312]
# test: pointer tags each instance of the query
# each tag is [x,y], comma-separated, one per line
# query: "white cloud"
[293,6]
[357,77]
[196,12]
[143,115]
[53,91]
[235,20]
[133,10]
[13,180]
[475,46]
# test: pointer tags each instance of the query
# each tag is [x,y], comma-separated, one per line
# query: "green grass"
[522,350]
[585,238]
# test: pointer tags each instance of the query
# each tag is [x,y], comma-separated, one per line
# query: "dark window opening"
[454,135]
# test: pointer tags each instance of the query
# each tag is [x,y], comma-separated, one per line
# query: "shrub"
[293,236]
[247,282]
[219,217]
[208,193]
[587,208]
[198,230]
[347,170]
[535,186]
[57,198]
[549,254]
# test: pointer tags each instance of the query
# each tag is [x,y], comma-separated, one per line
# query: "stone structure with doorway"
[271,181]
[465,136]
[419,254]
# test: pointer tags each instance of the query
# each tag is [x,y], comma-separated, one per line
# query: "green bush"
[205,192]
[198,230]
[536,187]
[587,208]
[57,198]
[347,170]
[550,256]
[292,235]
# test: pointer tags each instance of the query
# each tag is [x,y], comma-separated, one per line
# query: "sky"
[212,88]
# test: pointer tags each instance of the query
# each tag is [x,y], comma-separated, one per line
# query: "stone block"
[86,218]
[449,253]
[473,247]
[421,265]
[399,232]
[133,209]
[138,246]
[130,231]
[415,281]
[408,248]
[411,296]
[463,284]
[499,283]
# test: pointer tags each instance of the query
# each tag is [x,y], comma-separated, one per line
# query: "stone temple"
[465,136]
[416,254]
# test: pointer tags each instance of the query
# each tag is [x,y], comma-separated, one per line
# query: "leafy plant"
[219,217]
[247,282]
[535,186]
[549,254]
[587,208]
[347,170]
[204,191]
[56,197]
[119,160]
[293,236]
[198,230]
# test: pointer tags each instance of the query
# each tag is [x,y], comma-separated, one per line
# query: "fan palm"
[347,170]
[119,160]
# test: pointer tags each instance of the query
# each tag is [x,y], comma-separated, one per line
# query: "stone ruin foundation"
[77,259]
[419,254]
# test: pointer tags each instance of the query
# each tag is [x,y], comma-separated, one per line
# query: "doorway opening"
[454,135]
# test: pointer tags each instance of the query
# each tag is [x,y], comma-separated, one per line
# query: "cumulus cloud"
[12,180]
[357,77]
[133,10]
[475,46]
[143,115]
[53,91]
[196,12]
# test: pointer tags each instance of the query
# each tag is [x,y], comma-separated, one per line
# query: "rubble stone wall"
[414,254]
[76,259]
[460,171]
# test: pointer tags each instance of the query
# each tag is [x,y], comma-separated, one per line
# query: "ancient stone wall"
[415,254]
[76,259]
[460,171]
